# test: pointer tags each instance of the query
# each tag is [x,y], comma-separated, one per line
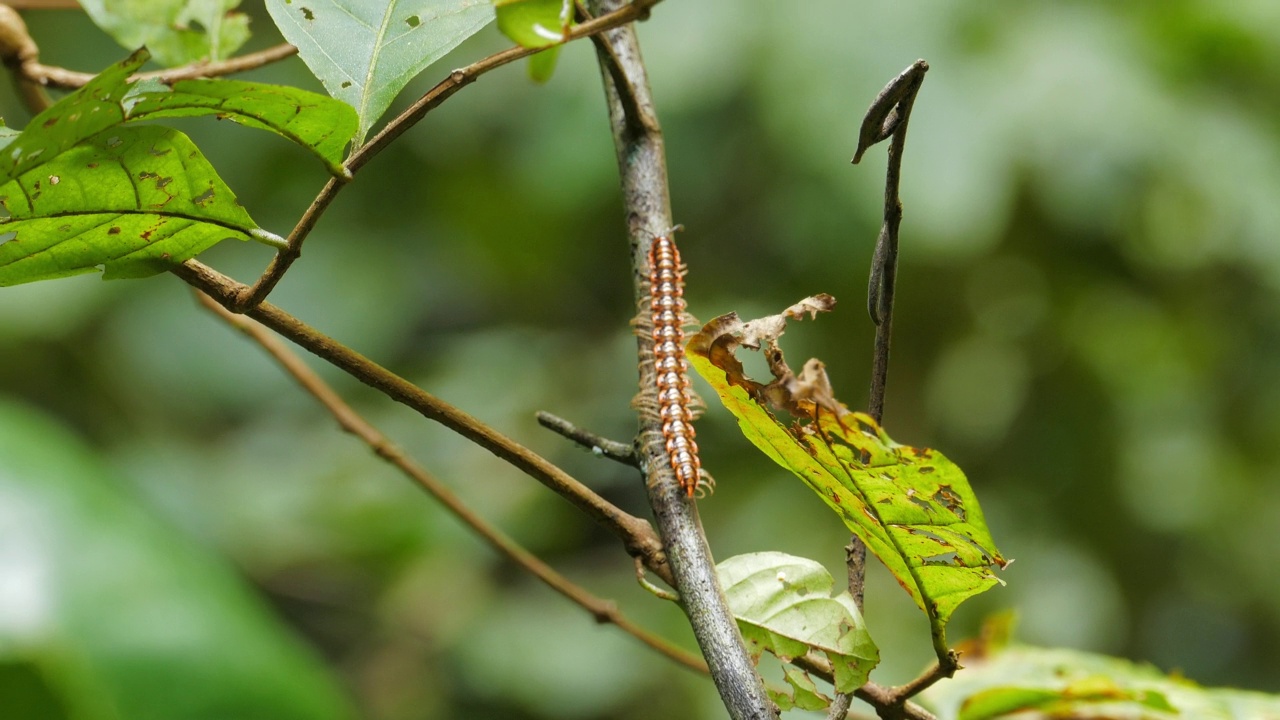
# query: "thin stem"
[352,422]
[636,534]
[646,199]
[888,705]
[602,446]
[58,77]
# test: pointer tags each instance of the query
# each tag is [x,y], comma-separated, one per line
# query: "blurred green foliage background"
[1088,323]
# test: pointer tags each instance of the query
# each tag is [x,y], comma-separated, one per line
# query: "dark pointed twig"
[887,117]
[602,446]
[646,199]
[604,611]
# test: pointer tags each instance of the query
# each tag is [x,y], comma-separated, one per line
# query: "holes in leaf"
[346,84]
[114,141]
[306,13]
[54,179]
[203,198]
[413,21]
[6,237]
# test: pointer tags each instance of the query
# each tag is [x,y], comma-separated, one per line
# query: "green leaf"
[783,604]
[137,200]
[1002,682]
[911,506]
[108,614]
[534,23]
[321,124]
[365,53]
[85,112]
[177,32]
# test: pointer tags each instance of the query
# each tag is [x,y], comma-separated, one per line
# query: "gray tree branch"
[642,165]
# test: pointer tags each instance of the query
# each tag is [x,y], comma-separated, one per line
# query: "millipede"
[675,396]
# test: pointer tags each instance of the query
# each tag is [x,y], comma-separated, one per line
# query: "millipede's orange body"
[666,302]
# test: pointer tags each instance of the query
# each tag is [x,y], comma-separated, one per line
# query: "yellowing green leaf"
[912,507]
[1010,680]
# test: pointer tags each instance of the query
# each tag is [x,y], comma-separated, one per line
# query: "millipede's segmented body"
[666,302]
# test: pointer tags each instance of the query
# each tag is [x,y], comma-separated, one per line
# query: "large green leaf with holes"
[912,507]
[84,113]
[134,200]
[366,52]
[176,31]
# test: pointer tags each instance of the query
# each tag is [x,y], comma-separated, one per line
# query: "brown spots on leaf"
[92,165]
[158,153]
[948,498]
[115,230]
[927,469]
[164,256]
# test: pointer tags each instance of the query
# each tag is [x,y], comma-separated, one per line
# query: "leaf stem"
[267,237]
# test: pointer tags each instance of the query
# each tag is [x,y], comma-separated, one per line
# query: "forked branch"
[349,420]
[636,534]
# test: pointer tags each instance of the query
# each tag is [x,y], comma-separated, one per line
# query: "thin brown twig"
[598,445]
[887,704]
[637,536]
[458,79]
[16,49]
[352,422]
[58,77]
